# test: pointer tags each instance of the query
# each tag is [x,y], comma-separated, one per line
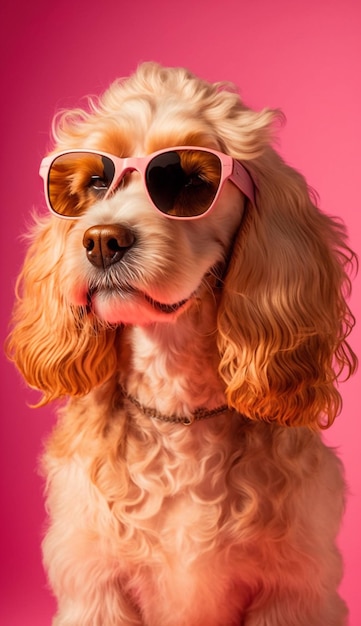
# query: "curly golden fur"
[231,520]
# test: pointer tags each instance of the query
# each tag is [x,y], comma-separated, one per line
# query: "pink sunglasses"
[181,182]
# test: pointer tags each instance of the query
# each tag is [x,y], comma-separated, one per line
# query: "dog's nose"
[107,244]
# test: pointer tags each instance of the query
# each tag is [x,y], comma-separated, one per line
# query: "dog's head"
[122,251]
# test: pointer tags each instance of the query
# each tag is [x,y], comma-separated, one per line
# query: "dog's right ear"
[59,349]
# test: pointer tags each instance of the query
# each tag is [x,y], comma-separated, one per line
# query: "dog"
[185,299]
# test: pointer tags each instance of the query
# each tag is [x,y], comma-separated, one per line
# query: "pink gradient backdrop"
[302,57]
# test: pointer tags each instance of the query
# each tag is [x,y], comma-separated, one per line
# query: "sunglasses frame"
[231,169]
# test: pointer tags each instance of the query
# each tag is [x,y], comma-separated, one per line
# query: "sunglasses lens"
[76,180]
[183,183]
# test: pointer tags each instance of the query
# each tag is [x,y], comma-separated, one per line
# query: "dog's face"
[124,260]
[128,263]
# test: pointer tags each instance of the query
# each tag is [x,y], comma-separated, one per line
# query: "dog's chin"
[134,308]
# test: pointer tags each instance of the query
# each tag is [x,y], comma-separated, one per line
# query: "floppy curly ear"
[58,350]
[283,319]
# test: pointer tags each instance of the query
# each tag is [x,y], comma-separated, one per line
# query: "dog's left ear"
[283,319]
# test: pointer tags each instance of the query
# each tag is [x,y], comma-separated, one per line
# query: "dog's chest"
[177,496]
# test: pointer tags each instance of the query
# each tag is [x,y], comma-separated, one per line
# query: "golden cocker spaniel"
[187,296]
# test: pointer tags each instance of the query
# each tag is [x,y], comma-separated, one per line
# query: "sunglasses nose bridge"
[123,167]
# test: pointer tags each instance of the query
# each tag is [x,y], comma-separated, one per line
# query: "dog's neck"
[173,366]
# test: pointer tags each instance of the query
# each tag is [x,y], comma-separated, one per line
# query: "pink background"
[302,57]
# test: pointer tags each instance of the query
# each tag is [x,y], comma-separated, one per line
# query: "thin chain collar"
[199,414]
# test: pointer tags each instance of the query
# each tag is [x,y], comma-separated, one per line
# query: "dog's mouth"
[125,293]
[121,303]
[166,308]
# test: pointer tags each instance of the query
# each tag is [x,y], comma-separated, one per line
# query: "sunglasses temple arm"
[242,179]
